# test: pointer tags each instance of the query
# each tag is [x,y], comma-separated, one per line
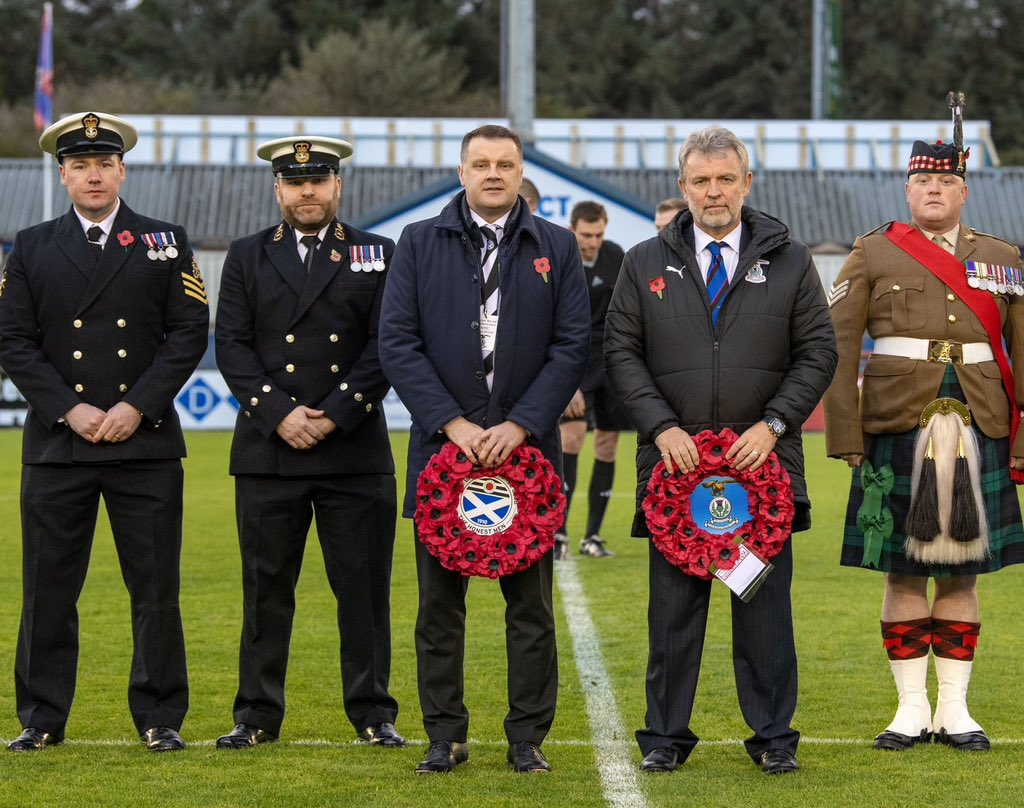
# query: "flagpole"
[44,101]
[47,188]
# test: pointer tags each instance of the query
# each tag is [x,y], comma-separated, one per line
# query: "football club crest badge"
[756,273]
[487,505]
[720,505]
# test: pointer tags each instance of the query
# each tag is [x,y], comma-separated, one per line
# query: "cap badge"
[91,124]
[302,152]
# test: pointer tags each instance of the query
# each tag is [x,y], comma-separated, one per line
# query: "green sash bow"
[874,520]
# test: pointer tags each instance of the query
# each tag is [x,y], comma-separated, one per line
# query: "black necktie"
[94,234]
[489,289]
[311,242]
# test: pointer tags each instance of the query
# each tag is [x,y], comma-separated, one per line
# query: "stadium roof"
[218,203]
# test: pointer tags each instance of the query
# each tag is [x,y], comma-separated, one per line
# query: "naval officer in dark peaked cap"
[103,317]
[297,344]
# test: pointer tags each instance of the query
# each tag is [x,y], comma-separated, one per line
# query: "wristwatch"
[775,425]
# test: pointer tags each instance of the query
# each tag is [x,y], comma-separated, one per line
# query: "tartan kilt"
[1006,539]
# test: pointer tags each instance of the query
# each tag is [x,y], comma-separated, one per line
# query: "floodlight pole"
[518,65]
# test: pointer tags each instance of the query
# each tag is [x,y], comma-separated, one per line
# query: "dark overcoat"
[430,331]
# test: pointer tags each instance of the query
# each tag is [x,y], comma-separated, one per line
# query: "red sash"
[951,272]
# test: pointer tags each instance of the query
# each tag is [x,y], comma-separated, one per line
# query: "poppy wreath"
[691,548]
[450,479]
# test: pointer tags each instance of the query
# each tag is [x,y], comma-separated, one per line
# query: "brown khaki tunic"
[885,292]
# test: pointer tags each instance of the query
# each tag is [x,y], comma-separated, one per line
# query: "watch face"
[777,426]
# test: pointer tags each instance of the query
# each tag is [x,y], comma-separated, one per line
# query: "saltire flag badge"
[488,522]
[487,505]
[367,258]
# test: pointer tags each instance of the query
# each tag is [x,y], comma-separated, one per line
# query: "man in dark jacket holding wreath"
[719,322]
[484,334]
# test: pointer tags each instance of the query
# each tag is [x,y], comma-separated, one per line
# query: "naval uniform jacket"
[430,331]
[128,328]
[885,292]
[285,339]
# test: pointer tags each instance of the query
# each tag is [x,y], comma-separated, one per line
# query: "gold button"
[121,323]
[952,318]
[79,388]
[123,388]
[334,337]
[290,368]
[369,407]
[358,396]
[289,338]
[951,297]
[77,323]
[248,414]
[344,386]
[77,354]
[266,388]
[895,287]
[122,352]
[254,401]
[335,368]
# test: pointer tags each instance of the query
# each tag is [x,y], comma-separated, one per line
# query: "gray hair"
[714,141]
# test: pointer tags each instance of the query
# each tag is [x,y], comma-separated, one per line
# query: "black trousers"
[59,504]
[529,645]
[355,521]
[763,651]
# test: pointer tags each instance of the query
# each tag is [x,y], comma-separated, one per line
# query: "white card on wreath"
[746,575]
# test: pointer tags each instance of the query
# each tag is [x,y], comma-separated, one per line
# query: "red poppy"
[125,238]
[691,548]
[540,511]
[658,286]
[543,267]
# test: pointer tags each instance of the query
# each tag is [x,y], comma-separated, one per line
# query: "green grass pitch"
[846,692]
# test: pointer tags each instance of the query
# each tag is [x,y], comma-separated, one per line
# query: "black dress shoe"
[443,757]
[382,734]
[661,760]
[32,740]
[778,761]
[898,742]
[964,741]
[244,736]
[525,757]
[162,739]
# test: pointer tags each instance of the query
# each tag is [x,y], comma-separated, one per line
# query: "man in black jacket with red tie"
[297,344]
[103,318]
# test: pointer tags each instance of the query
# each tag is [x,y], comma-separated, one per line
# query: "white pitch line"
[618,774]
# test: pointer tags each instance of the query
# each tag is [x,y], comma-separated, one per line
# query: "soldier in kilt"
[932,436]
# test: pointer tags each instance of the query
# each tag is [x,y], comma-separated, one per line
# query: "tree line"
[595,58]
